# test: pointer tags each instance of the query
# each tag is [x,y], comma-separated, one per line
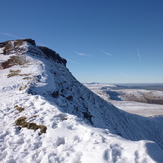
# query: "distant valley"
[144,99]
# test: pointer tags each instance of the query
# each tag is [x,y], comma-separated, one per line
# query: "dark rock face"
[14,45]
[52,54]
[30,41]
[3,44]
[55,94]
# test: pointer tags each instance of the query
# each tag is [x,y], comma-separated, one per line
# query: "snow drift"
[48,116]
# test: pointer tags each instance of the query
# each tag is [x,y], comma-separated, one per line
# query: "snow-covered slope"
[71,123]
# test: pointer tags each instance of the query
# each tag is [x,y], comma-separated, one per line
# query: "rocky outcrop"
[14,46]
[11,45]
[3,44]
[52,54]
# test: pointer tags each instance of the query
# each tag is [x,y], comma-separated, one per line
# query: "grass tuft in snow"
[16,72]
[7,48]
[21,121]
[42,128]
[34,116]
[33,126]
[64,118]
[13,73]
[22,88]
[20,109]
[14,60]
[27,78]
[18,43]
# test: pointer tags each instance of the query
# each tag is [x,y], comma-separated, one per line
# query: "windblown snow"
[47,116]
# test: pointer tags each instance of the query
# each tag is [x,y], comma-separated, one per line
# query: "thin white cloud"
[106,53]
[72,61]
[139,54]
[41,44]
[83,54]
[11,35]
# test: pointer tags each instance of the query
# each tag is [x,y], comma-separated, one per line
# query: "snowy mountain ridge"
[79,126]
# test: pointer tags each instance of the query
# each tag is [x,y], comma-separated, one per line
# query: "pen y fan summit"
[48,116]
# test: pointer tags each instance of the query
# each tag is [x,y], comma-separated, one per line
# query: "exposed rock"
[14,46]
[3,44]
[69,98]
[88,116]
[55,94]
[52,54]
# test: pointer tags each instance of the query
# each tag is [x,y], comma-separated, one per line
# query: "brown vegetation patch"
[33,126]
[21,121]
[7,48]
[18,43]
[22,88]
[14,60]
[20,109]
[27,77]
[42,128]
[15,45]
[34,116]
[24,74]
[17,72]
[13,73]
[64,118]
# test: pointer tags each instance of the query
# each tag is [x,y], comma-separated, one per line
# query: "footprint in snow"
[76,139]
[107,155]
[43,103]
[54,125]
[116,152]
[60,141]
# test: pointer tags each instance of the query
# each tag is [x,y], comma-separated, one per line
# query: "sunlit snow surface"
[69,137]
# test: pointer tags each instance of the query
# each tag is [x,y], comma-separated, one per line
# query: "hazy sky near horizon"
[110,41]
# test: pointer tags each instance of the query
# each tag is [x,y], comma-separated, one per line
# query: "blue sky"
[109,41]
